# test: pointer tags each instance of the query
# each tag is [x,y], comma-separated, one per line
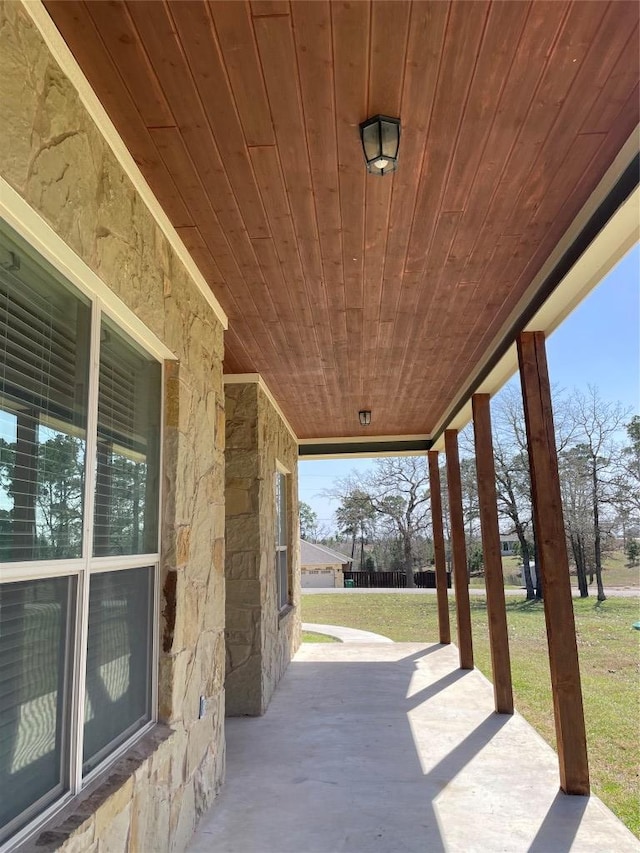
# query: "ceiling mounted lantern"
[380,137]
[365,418]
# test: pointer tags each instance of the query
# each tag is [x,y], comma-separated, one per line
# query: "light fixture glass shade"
[380,137]
[365,418]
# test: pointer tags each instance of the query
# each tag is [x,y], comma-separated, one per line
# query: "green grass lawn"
[312,637]
[616,571]
[608,649]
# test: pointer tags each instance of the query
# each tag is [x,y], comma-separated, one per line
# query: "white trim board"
[282,469]
[358,454]
[621,233]
[562,305]
[41,236]
[98,114]
[364,439]
[256,378]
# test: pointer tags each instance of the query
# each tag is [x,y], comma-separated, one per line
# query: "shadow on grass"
[526,606]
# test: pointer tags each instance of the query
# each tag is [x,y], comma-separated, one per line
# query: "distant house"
[321,566]
[509,545]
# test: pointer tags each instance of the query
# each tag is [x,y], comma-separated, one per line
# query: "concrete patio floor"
[345,635]
[389,748]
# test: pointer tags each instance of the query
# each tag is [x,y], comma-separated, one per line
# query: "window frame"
[51,801]
[283,602]
[80,277]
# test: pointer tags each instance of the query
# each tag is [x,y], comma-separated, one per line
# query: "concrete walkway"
[389,748]
[345,635]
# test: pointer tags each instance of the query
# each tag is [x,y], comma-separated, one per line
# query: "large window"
[282,561]
[79,490]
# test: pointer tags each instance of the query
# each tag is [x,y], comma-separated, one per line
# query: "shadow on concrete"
[334,764]
[456,760]
[392,749]
[561,824]
[428,650]
[437,687]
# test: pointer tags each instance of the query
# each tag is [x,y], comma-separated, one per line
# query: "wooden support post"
[493,579]
[554,565]
[438,548]
[459,550]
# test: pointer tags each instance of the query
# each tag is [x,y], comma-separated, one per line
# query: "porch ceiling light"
[365,418]
[380,137]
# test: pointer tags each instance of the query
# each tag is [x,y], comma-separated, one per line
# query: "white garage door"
[317,577]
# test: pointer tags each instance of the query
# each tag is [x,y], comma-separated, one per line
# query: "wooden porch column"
[554,565]
[459,550]
[438,548]
[493,579]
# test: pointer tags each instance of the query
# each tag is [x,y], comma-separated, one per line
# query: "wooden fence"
[390,580]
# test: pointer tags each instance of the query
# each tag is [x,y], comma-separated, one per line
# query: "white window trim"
[285,473]
[113,564]
[54,250]
[39,234]
[282,469]
[39,570]
[72,71]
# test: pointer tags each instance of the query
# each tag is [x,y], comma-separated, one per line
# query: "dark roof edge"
[366,447]
[615,198]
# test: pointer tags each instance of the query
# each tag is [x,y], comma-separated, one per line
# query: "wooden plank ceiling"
[344,290]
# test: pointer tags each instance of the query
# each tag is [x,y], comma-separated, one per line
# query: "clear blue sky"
[598,344]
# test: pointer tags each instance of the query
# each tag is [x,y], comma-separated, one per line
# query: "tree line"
[42,498]
[384,516]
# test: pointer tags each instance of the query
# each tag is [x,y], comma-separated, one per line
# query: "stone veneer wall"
[57,160]
[243,687]
[260,640]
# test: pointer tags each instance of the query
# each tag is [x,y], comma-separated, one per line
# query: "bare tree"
[470,501]
[397,492]
[513,491]
[576,502]
[597,422]
[398,489]
[627,478]
[446,519]
[513,480]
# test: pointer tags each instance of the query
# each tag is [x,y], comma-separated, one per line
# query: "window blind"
[45,364]
[44,346]
[126,503]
